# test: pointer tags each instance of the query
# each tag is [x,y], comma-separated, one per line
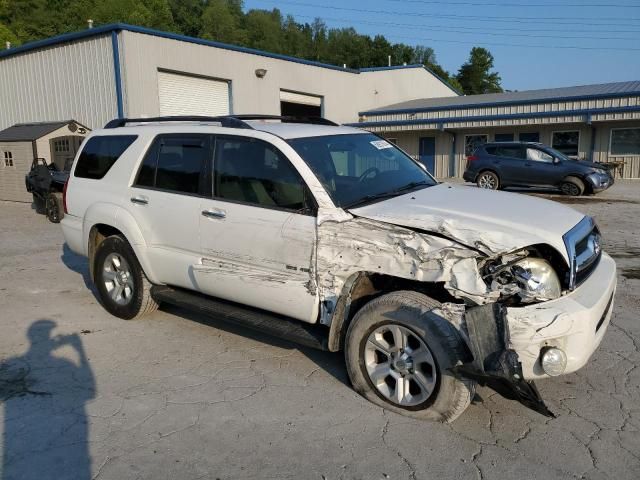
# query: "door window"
[506,152]
[176,163]
[538,156]
[251,171]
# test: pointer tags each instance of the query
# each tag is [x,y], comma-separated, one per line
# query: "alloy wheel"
[118,279]
[400,365]
[487,181]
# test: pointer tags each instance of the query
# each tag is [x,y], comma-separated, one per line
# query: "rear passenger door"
[509,161]
[258,232]
[165,201]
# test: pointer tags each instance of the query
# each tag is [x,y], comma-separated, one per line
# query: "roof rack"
[230,121]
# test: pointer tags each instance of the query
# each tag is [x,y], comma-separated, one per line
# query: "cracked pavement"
[176,395]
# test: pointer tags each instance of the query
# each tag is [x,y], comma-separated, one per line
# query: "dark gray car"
[525,164]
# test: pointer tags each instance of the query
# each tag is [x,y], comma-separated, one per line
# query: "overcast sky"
[525,37]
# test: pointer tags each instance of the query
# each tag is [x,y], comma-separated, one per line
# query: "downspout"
[116,70]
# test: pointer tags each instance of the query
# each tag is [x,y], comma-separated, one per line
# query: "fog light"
[553,361]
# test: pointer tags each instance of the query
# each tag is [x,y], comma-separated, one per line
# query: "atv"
[46,183]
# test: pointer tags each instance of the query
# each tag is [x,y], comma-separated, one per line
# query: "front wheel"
[572,186]
[123,288]
[488,180]
[399,354]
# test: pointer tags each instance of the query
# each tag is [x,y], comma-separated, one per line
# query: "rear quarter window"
[100,154]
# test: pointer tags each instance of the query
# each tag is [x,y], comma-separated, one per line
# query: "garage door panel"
[188,95]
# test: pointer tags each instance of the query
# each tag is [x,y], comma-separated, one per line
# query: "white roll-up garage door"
[301,98]
[187,95]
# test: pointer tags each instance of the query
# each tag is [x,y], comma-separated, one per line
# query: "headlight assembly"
[529,279]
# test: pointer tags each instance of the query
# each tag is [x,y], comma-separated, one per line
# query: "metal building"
[120,70]
[594,122]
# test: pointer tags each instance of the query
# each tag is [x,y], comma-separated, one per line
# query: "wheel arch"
[364,286]
[104,220]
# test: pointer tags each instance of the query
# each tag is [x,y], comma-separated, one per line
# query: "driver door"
[258,232]
[541,169]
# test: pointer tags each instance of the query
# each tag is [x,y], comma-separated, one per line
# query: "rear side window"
[176,163]
[100,153]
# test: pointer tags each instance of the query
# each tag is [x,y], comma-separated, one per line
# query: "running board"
[278,326]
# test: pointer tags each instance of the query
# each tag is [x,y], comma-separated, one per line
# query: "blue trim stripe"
[510,116]
[505,103]
[116,70]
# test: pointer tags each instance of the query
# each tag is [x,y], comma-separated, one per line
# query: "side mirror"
[556,160]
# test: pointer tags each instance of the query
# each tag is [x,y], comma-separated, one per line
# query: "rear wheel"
[123,288]
[572,186]
[54,208]
[398,356]
[488,180]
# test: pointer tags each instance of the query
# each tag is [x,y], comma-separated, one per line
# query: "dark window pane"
[510,152]
[566,142]
[504,137]
[252,171]
[180,160]
[100,153]
[471,142]
[529,137]
[625,141]
[491,150]
[147,173]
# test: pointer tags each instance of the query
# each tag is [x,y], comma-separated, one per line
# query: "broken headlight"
[530,279]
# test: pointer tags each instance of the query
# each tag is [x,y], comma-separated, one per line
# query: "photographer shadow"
[44,395]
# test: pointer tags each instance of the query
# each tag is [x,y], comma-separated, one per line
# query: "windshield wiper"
[389,194]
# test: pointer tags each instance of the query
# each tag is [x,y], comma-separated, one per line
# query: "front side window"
[625,141]
[539,156]
[358,168]
[471,142]
[566,142]
[100,153]
[175,163]
[251,171]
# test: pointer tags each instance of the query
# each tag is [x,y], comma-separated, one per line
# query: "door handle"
[219,214]
[140,200]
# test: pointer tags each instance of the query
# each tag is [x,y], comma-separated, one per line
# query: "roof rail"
[230,121]
[225,121]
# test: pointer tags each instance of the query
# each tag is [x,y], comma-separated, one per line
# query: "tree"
[221,21]
[475,75]
[146,13]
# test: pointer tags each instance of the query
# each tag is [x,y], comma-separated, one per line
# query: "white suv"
[333,237]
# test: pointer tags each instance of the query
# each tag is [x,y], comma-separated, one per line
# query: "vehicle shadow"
[79,264]
[331,362]
[43,395]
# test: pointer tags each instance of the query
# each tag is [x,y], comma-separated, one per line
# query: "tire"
[134,299]
[54,207]
[488,180]
[38,204]
[446,395]
[572,186]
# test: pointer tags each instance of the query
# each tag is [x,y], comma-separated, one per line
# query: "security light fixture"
[261,72]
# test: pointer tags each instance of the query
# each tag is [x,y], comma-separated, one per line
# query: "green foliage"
[226,21]
[476,76]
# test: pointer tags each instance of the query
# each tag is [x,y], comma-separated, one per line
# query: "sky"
[535,43]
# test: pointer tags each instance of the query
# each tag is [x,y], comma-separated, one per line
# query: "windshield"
[359,168]
[556,153]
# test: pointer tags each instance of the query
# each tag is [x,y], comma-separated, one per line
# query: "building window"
[471,142]
[529,137]
[625,142]
[504,137]
[566,142]
[8,159]
[62,145]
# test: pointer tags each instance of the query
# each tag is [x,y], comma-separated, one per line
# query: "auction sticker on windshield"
[381,144]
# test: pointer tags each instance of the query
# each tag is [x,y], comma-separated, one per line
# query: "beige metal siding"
[631,168]
[74,80]
[12,186]
[345,93]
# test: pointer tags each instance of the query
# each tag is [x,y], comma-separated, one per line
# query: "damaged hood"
[489,221]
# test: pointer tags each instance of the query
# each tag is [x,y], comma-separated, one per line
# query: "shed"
[56,142]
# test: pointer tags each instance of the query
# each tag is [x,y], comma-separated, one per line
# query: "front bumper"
[599,182]
[575,322]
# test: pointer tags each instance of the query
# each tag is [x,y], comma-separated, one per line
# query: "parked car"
[45,183]
[334,238]
[524,164]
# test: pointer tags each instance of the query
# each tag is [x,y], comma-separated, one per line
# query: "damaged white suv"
[332,237]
